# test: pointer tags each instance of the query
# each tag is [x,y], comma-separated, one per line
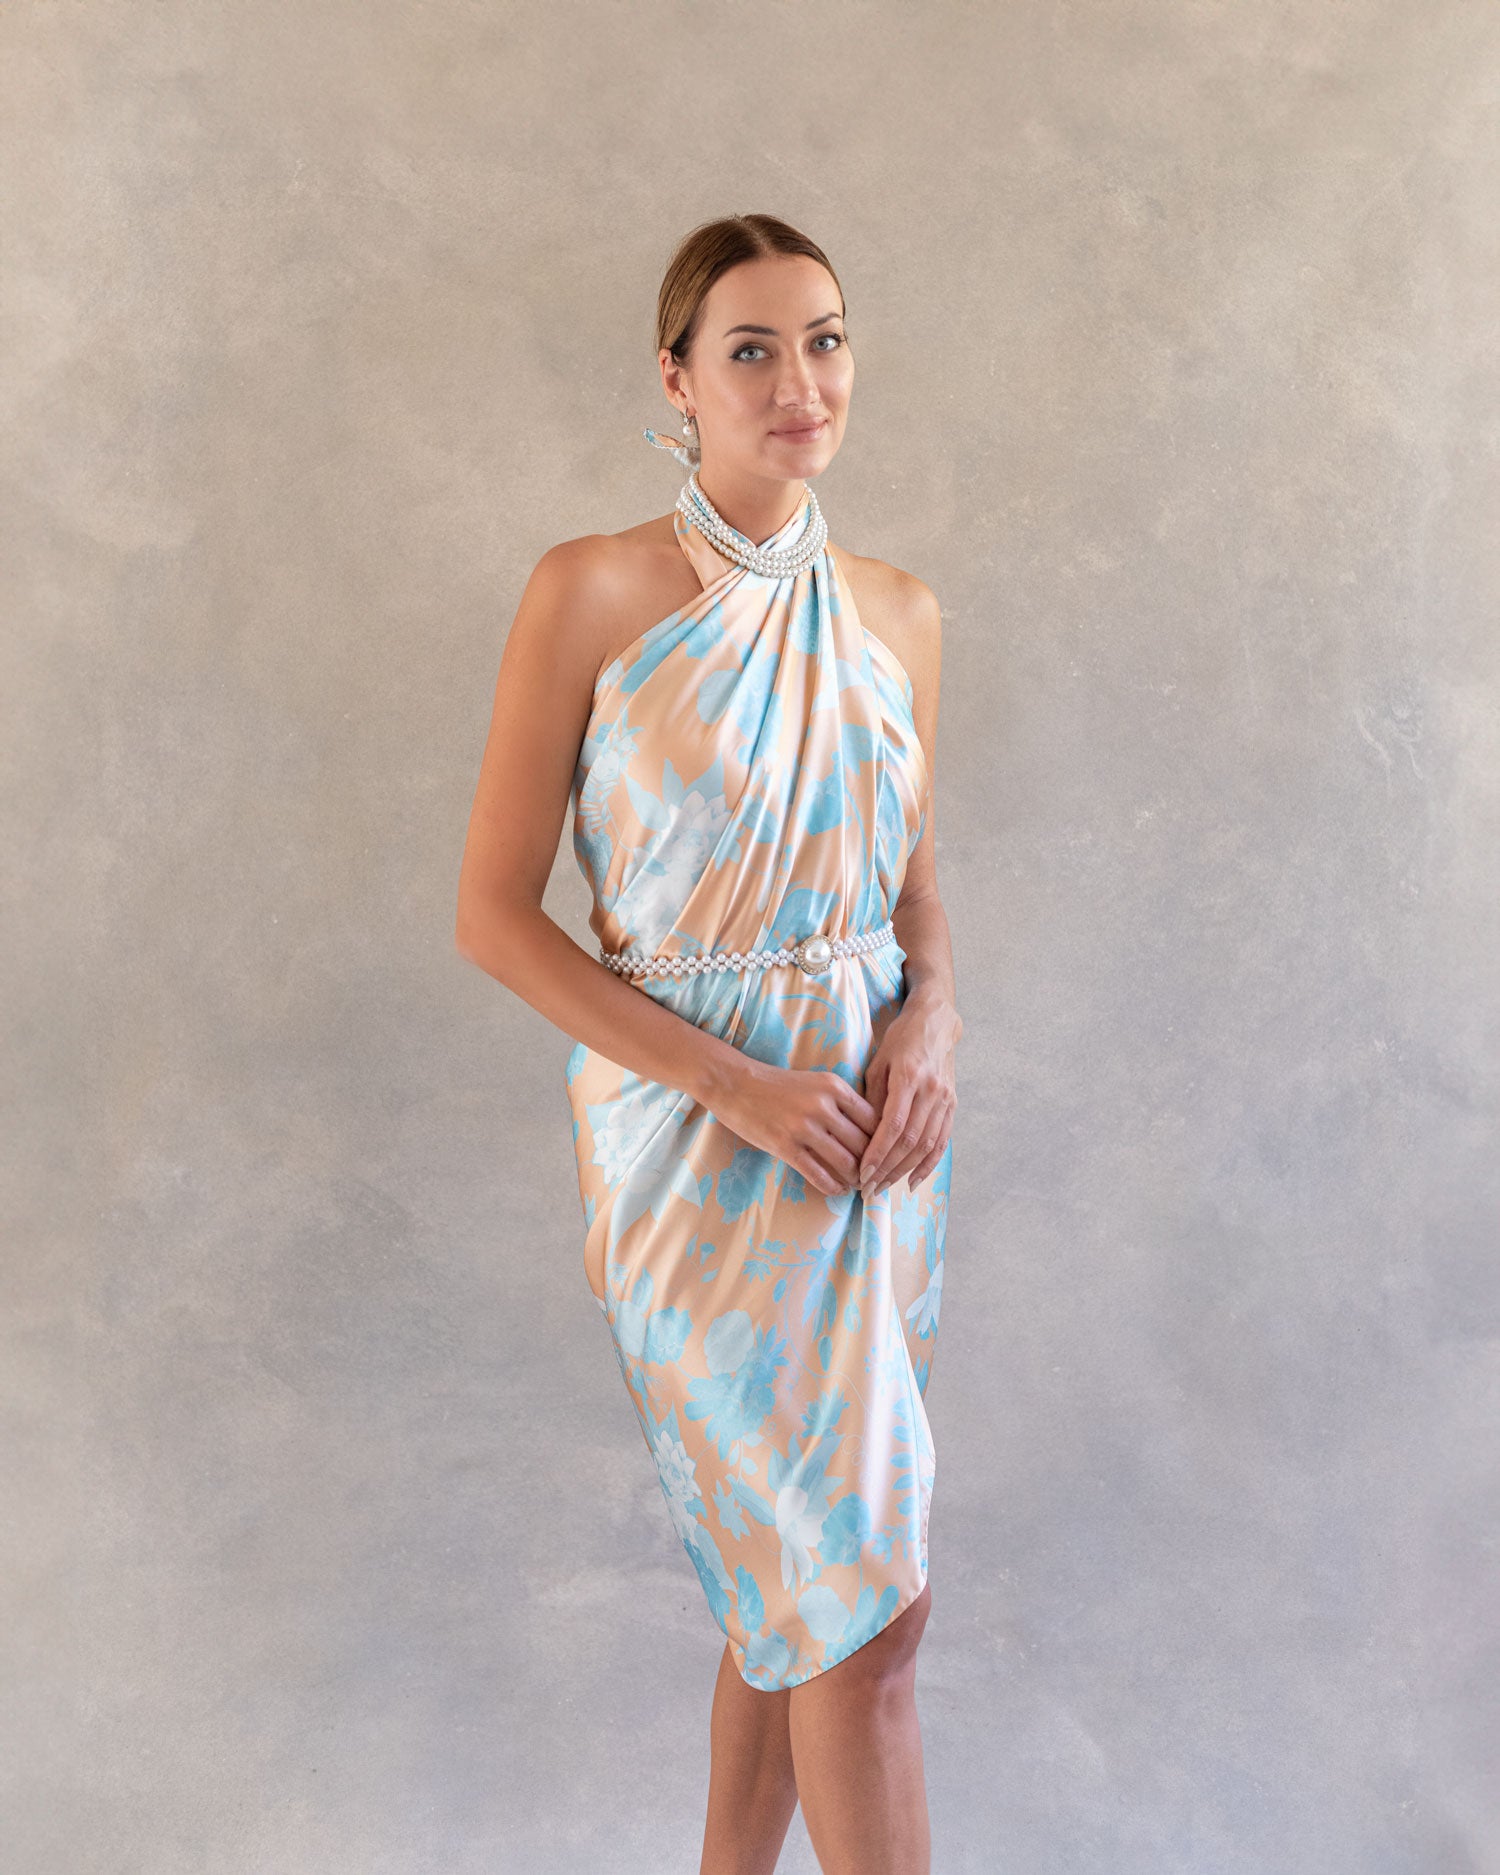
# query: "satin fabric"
[751,774]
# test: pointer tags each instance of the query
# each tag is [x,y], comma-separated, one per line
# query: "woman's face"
[770,356]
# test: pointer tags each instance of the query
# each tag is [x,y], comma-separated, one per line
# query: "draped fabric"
[751,774]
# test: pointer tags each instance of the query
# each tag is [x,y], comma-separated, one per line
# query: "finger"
[851,1101]
[816,1173]
[929,1165]
[896,1170]
[837,1158]
[849,1133]
[889,1127]
[942,1119]
[886,1136]
[913,1144]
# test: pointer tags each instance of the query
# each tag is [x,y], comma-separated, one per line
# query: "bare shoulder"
[588,568]
[602,589]
[899,608]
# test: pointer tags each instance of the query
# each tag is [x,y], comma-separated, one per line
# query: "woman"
[762,1085]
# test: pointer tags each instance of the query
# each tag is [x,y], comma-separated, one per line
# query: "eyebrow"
[771,332]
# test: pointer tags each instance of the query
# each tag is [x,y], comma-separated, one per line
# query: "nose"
[797,392]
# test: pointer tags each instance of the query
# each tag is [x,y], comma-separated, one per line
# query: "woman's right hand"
[810,1117]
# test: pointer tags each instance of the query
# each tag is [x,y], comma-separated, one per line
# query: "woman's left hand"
[910,1083]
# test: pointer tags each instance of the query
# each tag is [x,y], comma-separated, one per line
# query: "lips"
[804,433]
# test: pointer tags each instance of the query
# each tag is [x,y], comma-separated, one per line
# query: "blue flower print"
[846,1529]
[869,1617]
[923,1313]
[740,1390]
[646,1334]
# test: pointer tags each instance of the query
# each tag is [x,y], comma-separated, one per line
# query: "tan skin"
[845,1742]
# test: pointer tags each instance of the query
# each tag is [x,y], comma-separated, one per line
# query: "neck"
[758,509]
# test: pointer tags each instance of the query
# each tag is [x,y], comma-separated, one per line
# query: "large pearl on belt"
[814,954]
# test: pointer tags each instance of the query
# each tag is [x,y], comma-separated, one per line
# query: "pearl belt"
[814,954]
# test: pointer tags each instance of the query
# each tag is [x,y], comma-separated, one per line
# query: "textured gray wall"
[330,1540]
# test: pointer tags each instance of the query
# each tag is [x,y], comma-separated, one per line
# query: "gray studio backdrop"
[330,1541]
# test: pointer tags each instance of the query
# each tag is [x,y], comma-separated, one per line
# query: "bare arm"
[920,921]
[913,1075]
[543,697]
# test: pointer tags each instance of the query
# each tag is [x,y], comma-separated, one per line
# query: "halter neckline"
[711,565]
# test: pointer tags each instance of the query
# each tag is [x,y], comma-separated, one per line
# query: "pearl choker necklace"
[769,563]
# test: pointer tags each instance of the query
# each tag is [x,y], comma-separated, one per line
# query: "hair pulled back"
[711,249]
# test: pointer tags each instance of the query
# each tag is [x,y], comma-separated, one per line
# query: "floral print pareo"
[751,774]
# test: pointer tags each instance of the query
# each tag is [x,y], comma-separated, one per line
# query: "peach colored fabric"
[751,774]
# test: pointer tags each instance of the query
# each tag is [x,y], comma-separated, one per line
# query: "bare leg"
[858,1756]
[752,1791]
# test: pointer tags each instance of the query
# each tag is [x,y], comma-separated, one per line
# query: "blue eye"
[837,337]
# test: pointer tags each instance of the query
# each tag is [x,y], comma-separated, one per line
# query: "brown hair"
[712,249]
